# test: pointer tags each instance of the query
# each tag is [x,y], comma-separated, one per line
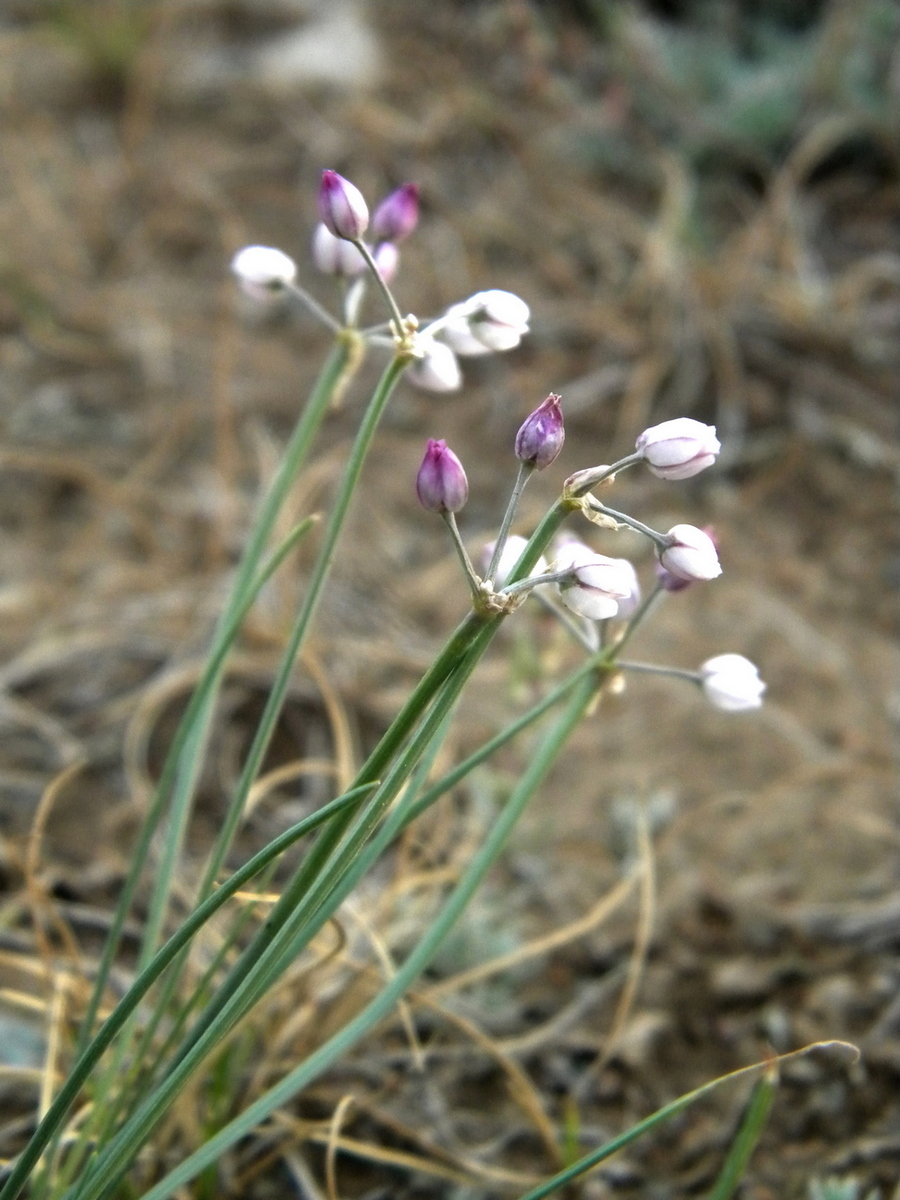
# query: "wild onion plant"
[136,1053]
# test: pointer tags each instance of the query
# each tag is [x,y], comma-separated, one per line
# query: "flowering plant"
[137,1052]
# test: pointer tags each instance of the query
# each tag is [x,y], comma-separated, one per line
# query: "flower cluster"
[596,587]
[489,322]
[345,219]
[592,587]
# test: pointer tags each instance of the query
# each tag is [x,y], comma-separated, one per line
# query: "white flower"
[512,552]
[262,270]
[627,606]
[732,683]
[691,554]
[488,321]
[680,448]
[335,256]
[435,368]
[598,583]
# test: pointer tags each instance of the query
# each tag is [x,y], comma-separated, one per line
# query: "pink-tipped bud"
[342,207]
[387,260]
[262,271]
[334,256]
[436,368]
[397,215]
[690,554]
[598,584]
[679,448]
[441,484]
[732,683]
[541,437]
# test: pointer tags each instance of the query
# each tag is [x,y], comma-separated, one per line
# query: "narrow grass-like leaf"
[589,1161]
[200,708]
[742,1147]
[129,1002]
[386,999]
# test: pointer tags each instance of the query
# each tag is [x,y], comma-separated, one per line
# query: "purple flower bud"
[541,437]
[387,260]
[342,207]
[680,448]
[441,484]
[670,582]
[335,256]
[732,683]
[690,554]
[397,215]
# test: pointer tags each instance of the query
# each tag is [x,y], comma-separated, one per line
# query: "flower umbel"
[732,683]
[679,448]
[541,437]
[441,483]
[342,207]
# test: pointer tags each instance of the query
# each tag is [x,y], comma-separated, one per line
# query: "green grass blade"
[384,1002]
[330,378]
[742,1147]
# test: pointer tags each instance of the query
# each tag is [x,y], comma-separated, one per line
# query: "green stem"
[382,286]
[461,552]
[525,471]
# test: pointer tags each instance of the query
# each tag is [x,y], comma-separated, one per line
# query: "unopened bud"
[679,448]
[441,484]
[732,683]
[675,583]
[342,207]
[397,215]
[598,583]
[263,270]
[690,554]
[335,256]
[541,437]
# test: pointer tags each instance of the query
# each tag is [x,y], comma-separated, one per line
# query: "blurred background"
[701,204]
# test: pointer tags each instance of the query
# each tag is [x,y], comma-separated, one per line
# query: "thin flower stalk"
[524,474]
